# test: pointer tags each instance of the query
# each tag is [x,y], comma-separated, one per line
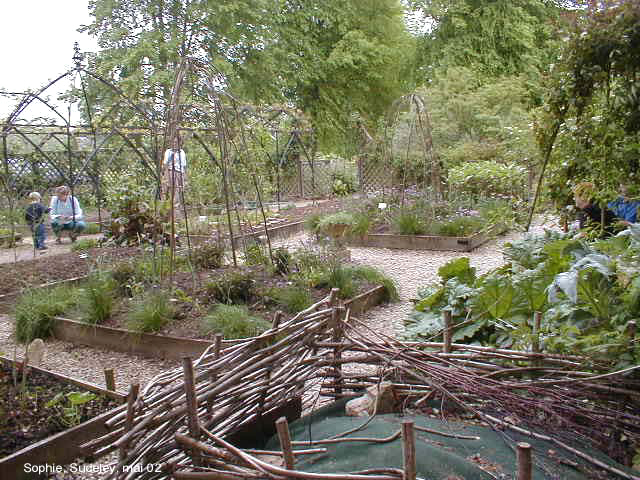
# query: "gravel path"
[412,269]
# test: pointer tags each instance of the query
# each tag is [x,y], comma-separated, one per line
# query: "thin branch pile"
[180,421]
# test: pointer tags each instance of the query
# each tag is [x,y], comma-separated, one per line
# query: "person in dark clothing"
[34,215]
[590,213]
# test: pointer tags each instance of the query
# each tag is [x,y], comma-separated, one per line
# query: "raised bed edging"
[167,347]
[275,233]
[420,242]
[63,447]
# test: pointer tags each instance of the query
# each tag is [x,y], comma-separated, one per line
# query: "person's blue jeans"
[74,228]
[39,235]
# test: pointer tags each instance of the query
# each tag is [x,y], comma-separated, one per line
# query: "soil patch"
[25,417]
[193,300]
[27,273]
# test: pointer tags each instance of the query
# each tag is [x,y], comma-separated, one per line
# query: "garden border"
[62,447]
[275,233]
[422,242]
[6,300]
[169,347]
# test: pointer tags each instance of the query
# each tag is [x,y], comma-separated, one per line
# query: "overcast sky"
[37,38]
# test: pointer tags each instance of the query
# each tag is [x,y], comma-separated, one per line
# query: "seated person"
[590,212]
[66,214]
[625,208]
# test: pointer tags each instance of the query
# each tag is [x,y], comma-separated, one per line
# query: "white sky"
[36,44]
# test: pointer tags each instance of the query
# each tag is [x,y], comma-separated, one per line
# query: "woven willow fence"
[178,423]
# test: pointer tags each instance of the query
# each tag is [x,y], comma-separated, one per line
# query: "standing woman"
[66,214]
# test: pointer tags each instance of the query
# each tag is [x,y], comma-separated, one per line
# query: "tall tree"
[494,37]
[333,59]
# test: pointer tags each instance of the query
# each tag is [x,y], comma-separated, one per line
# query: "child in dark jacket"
[34,215]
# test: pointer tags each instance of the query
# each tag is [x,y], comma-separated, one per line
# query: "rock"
[35,352]
[378,399]
[358,407]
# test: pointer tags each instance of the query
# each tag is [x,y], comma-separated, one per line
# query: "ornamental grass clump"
[233,321]
[409,224]
[233,286]
[374,276]
[150,313]
[98,298]
[292,299]
[35,311]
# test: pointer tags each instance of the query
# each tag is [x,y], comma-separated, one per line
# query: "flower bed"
[46,416]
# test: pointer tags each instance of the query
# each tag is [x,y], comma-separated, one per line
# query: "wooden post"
[264,217]
[110,379]
[525,466]
[446,333]
[217,345]
[632,330]
[409,450]
[190,392]
[337,338]
[285,442]
[277,318]
[535,344]
[134,388]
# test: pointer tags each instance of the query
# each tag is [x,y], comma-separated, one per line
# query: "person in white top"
[175,165]
[66,214]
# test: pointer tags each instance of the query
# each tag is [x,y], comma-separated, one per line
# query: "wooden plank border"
[168,347]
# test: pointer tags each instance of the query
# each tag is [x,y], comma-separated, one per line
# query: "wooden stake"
[337,338]
[110,379]
[264,217]
[632,330]
[525,467]
[277,318]
[189,390]
[409,450]
[446,334]
[217,345]
[134,388]
[285,442]
[535,344]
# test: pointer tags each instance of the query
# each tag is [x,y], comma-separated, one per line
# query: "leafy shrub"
[35,310]
[234,286]
[375,276]
[255,255]
[208,256]
[233,321]
[123,275]
[459,226]
[361,224]
[487,178]
[150,313]
[343,184]
[84,244]
[409,224]
[282,260]
[293,299]
[333,219]
[312,223]
[459,269]
[98,299]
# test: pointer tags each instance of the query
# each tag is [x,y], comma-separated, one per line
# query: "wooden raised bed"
[422,242]
[168,347]
[63,447]
[275,233]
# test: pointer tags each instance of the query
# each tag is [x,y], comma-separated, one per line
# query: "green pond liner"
[438,457]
